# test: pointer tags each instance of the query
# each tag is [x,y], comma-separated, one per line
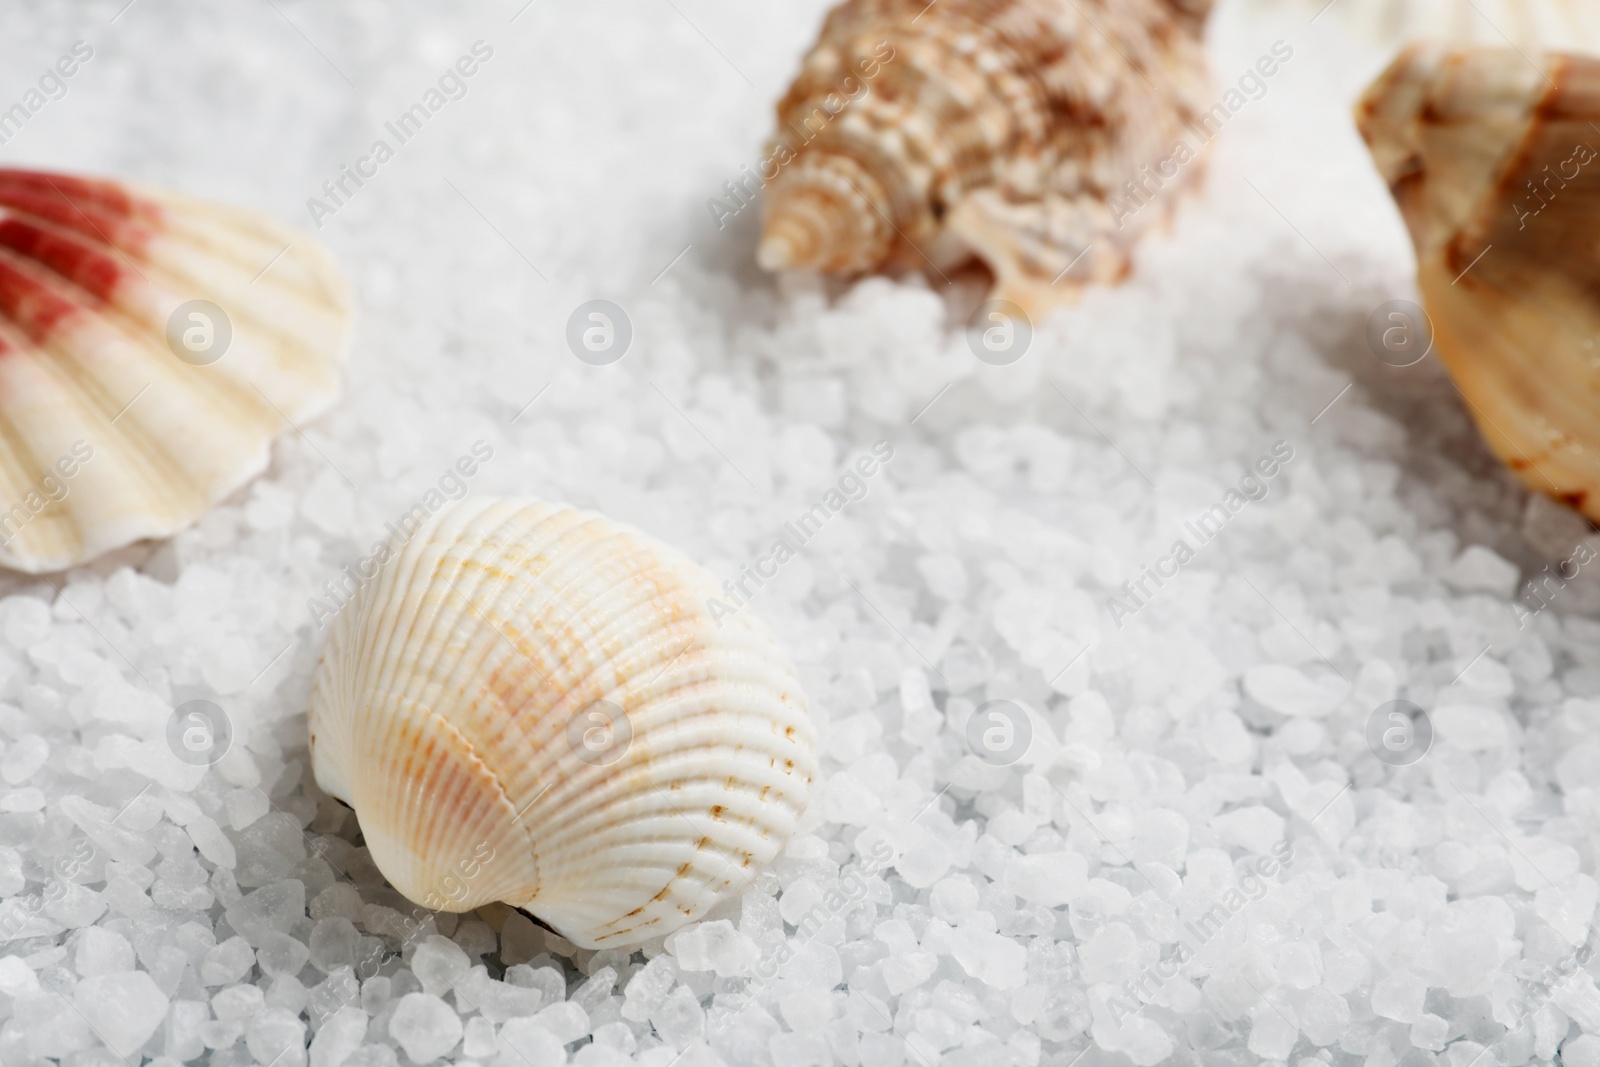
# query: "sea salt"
[425,1026]
[277,1036]
[124,1009]
[101,952]
[645,991]
[438,964]
[338,1037]
[524,1041]
[227,962]
[333,944]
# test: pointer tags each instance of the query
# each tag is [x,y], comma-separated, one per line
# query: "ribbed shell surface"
[1495,164]
[91,274]
[454,710]
[995,128]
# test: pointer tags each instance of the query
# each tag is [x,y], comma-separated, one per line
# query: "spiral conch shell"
[151,348]
[539,706]
[919,135]
[1493,161]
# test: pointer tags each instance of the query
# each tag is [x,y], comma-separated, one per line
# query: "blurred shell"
[996,128]
[91,273]
[1558,24]
[467,707]
[1493,162]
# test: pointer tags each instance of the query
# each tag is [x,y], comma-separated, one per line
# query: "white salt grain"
[1581,1051]
[102,951]
[1399,997]
[645,991]
[523,1041]
[183,1039]
[333,944]
[211,841]
[276,1037]
[339,1036]
[567,1021]
[238,1002]
[1049,878]
[679,1019]
[478,1040]
[228,962]
[23,758]
[124,1009]
[425,1026]
[16,977]
[715,946]
[438,963]
[281,955]
[1481,569]
[996,961]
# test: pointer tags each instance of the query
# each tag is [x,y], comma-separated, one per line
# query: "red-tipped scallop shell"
[151,348]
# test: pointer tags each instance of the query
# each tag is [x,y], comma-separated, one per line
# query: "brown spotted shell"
[1028,133]
[1494,162]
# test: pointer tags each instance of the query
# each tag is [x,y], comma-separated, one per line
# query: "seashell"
[106,373]
[1493,162]
[919,135]
[1554,24]
[535,705]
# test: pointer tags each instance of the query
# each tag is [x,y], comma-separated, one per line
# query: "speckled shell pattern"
[995,128]
[458,692]
[91,274]
[1495,165]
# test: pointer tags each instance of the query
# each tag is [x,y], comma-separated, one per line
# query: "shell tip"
[776,252]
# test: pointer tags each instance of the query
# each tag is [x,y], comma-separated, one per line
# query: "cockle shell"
[1493,161]
[1556,24]
[536,705]
[102,356]
[920,135]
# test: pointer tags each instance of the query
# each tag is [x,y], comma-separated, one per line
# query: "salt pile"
[1322,797]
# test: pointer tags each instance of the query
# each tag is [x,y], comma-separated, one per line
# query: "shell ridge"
[719,764]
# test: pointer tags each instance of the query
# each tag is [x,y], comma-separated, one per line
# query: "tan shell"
[122,416]
[1509,270]
[535,705]
[1557,24]
[1003,129]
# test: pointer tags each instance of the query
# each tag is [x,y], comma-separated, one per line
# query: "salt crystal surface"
[425,1026]
[438,963]
[525,1041]
[238,1002]
[338,1037]
[679,1018]
[281,955]
[228,962]
[102,951]
[123,1009]
[277,1036]
[184,1038]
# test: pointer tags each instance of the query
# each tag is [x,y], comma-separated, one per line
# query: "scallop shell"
[540,706]
[1557,24]
[920,135]
[95,278]
[1495,164]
